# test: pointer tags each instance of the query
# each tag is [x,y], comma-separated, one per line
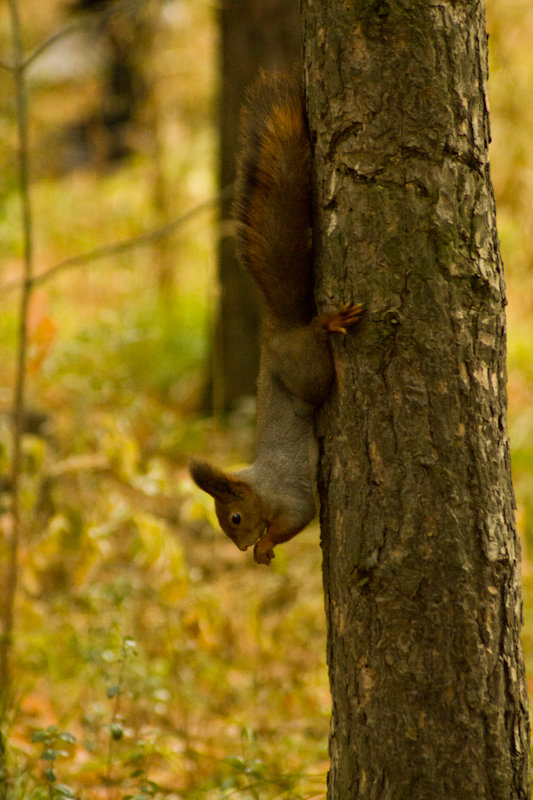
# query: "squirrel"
[274,499]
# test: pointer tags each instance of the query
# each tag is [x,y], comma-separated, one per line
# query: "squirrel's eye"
[235,518]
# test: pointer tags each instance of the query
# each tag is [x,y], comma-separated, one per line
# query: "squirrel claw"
[263,556]
[338,321]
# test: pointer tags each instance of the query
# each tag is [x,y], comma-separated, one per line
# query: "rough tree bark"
[421,555]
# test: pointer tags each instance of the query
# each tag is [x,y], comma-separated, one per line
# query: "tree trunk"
[253,34]
[421,554]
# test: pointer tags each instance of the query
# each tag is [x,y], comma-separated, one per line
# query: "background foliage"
[150,658]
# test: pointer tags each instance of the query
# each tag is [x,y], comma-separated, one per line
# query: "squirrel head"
[238,508]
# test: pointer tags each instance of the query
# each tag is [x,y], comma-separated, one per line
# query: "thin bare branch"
[79,25]
[19,395]
[75,27]
[116,248]
[164,506]
[56,37]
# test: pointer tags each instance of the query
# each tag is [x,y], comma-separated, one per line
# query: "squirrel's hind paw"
[338,321]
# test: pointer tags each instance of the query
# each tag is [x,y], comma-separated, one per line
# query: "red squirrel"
[274,499]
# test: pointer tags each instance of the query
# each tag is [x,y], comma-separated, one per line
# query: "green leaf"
[66,737]
[113,690]
[64,790]
[117,731]
[48,754]
[50,775]
[40,736]
[236,762]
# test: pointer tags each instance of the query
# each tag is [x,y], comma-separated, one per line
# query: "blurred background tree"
[254,34]
[122,36]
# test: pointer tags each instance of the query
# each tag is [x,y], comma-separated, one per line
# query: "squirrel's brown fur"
[272,196]
[273,499]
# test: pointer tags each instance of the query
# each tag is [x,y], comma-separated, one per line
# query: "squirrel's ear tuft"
[214,481]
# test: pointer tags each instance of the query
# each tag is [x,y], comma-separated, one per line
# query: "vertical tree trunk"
[421,555]
[253,34]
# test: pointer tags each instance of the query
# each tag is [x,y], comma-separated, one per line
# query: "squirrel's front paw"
[263,553]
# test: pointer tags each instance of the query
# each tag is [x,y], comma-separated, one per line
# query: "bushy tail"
[272,198]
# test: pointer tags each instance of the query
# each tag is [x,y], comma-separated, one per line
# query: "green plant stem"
[114,718]
[19,392]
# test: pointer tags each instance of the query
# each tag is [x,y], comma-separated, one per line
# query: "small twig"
[163,506]
[22,342]
[53,39]
[74,27]
[116,248]
[116,730]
